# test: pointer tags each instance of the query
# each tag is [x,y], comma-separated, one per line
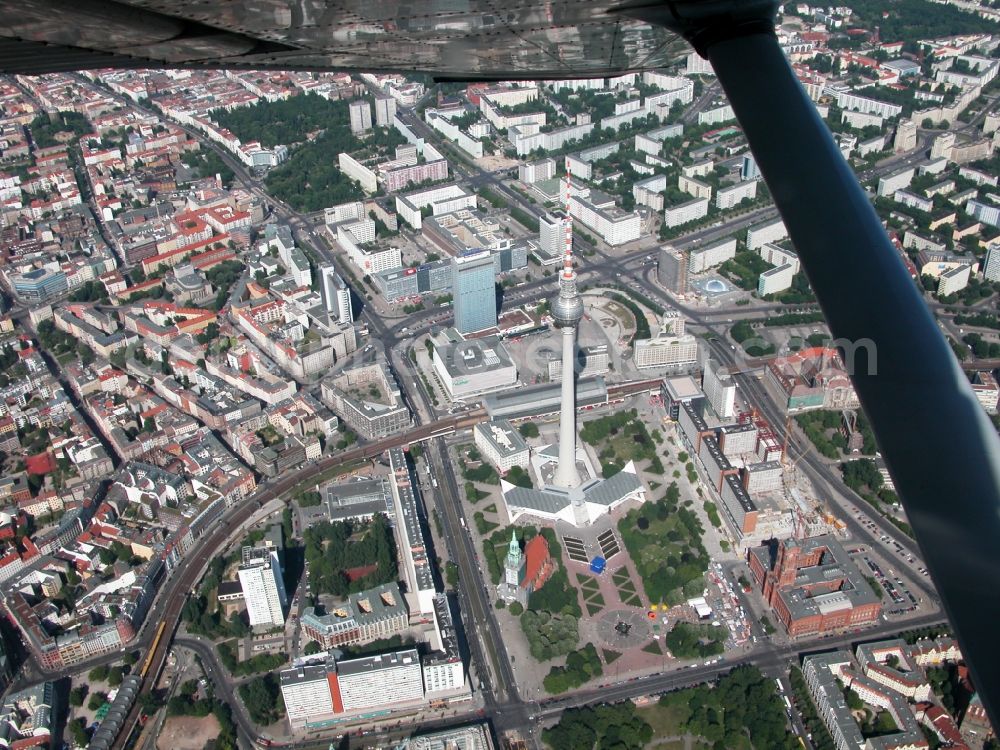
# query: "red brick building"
[538,564]
[813,586]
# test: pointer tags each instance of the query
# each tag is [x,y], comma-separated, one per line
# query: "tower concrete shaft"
[566,474]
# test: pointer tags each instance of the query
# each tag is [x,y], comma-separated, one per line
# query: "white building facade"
[263,587]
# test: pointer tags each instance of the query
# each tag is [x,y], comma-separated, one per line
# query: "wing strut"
[940,446]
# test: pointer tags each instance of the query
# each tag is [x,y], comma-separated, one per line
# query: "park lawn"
[625,318]
[664,542]
[610,656]
[628,594]
[620,576]
[671,744]
[627,586]
[620,438]
[667,721]
[653,647]
[588,584]
[482,525]
[652,555]
[592,608]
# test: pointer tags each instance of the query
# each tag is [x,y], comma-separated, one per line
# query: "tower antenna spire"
[568,270]
[567,310]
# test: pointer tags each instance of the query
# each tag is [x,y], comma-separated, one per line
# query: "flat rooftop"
[682,387]
[378,662]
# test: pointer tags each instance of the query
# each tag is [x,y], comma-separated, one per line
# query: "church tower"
[515,562]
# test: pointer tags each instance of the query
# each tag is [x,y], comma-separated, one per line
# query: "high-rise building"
[719,389]
[382,680]
[991,264]
[535,171]
[474,292]
[749,170]
[385,110]
[306,692]
[906,137]
[673,269]
[671,347]
[315,694]
[552,234]
[361,116]
[336,295]
[263,587]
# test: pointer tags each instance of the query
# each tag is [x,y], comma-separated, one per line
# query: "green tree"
[519,477]
[97,700]
[78,694]
[115,676]
[854,701]
[528,430]
[451,574]
[78,732]
[262,698]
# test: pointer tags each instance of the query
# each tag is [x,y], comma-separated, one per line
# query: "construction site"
[747,471]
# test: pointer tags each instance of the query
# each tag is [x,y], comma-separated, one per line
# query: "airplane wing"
[471,39]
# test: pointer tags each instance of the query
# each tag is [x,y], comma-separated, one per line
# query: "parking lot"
[891,547]
[903,599]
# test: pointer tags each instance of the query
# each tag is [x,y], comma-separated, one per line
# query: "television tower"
[567,310]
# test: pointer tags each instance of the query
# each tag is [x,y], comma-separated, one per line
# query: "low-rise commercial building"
[369,401]
[501,445]
[359,500]
[366,616]
[471,368]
